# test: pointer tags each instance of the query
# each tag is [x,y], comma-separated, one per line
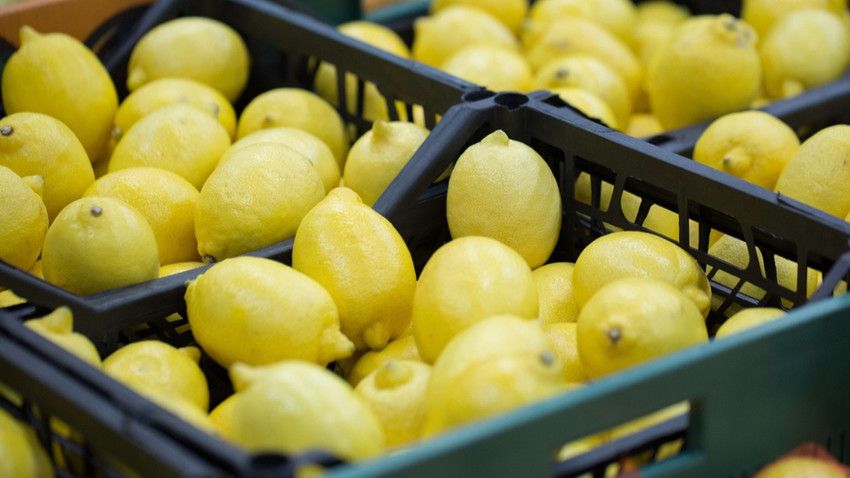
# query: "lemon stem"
[6,130]
[614,335]
[96,211]
[547,357]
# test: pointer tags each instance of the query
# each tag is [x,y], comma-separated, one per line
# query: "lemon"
[801,467]
[300,109]
[763,14]
[34,144]
[564,339]
[617,16]
[166,200]
[817,173]
[178,267]
[376,158]
[377,35]
[8,298]
[634,319]
[57,75]
[308,145]
[255,198]
[752,145]
[555,292]
[465,281]
[363,262]
[295,406]
[748,318]
[590,74]
[804,49]
[589,104]
[198,48]
[166,91]
[643,125]
[396,394]
[436,37]
[222,417]
[402,348]
[494,67]
[509,12]
[99,243]
[179,138]
[709,67]
[174,371]
[503,189]
[21,454]
[58,327]
[654,24]
[23,218]
[638,254]
[259,311]
[178,405]
[492,367]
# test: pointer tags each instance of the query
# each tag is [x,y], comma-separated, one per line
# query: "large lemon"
[23,219]
[496,68]
[21,454]
[509,12]
[747,319]
[555,291]
[763,14]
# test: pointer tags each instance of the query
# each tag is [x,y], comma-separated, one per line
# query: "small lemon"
[555,291]
[178,405]
[635,319]
[178,267]
[801,467]
[99,243]
[817,173]
[494,67]
[222,417]
[363,262]
[492,367]
[165,91]
[564,339]
[396,394]
[763,14]
[8,298]
[58,327]
[643,125]
[465,281]
[254,199]
[503,189]
[21,454]
[436,37]
[308,145]
[23,218]
[165,199]
[747,319]
[617,16]
[199,48]
[804,49]
[57,75]
[751,145]
[300,109]
[709,66]
[179,138]
[509,12]
[589,104]
[638,254]
[293,406]
[259,311]
[402,348]
[376,158]
[34,144]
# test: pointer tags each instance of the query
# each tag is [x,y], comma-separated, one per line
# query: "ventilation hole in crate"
[511,101]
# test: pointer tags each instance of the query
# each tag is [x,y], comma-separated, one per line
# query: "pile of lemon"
[639,67]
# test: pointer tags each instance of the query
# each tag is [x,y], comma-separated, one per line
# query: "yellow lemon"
[254,199]
[58,327]
[555,291]
[376,158]
[709,66]
[801,467]
[363,262]
[295,406]
[165,91]
[509,12]
[564,339]
[492,367]
[617,16]
[763,14]
[494,67]
[747,319]
[8,298]
[300,109]
[465,281]
[308,145]
[23,218]
[165,199]
[503,189]
[402,348]
[99,243]
[34,144]
[436,37]
[179,138]
[57,75]
[817,173]
[222,417]
[396,394]
[178,267]
[590,74]
[643,125]
[635,319]
[21,454]
[199,48]
[258,311]
[589,104]
[752,145]
[654,24]
[162,366]
[176,404]
[804,49]
[639,254]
